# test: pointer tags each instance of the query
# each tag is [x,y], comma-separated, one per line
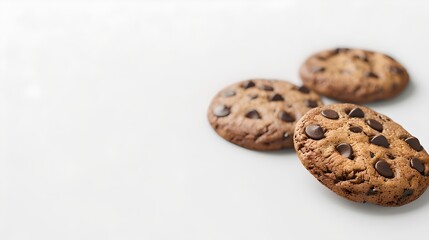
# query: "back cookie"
[354,75]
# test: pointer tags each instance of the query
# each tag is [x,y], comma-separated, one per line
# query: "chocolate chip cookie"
[354,75]
[362,155]
[260,114]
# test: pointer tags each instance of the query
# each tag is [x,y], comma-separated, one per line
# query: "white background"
[103,130]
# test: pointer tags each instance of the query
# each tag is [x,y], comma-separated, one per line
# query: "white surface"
[103,131]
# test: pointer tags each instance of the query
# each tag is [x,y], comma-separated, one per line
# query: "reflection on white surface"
[103,130]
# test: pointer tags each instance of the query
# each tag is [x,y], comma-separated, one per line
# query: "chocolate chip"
[371,75]
[267,88]
[414,143]
[345,150]
[277,97]
[355,129]
[418,165]
[311,103]
[340,50]
[361,57]
[383,168]
[396,70]
[304,89]
[314,131]
[248,84]
[253,115]
[356,112]
[286,135]
[371,154]
[380,140]
[228,93]
[407,193]
[331,114]
[390,156]
[221,111]
[371,191]
[316,69]
[286,117]
[375,124]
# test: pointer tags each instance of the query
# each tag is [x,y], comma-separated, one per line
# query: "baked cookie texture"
[354,75]
[362,155]
[260,114]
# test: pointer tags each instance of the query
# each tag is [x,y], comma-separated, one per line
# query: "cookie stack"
[356,152]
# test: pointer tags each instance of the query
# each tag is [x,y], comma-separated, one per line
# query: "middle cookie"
[260,114]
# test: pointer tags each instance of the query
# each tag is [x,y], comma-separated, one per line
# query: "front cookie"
[260,114]
[354,75]
[362,155]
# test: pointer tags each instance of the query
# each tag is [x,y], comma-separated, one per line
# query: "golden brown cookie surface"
[362,155]
[260,114]
[354,75]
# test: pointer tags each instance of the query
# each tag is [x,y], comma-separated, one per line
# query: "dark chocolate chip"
[248,84]
[311,103]
[356,112]
[380,140]
[221,111]
[407,193]
[418,165]
[331,114]
[414,143]
[372,191]
[390,156]
[396,70]
[286,135]
[277,97]
[253,115]
[314,131]
[304,89]
[375,124]
[286,117]
[340,50]
[371,75]
[383,168]
[361,57]
[371,154]
[228,93]
[317,69]
[267,88]
[355,129]
[345,150]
